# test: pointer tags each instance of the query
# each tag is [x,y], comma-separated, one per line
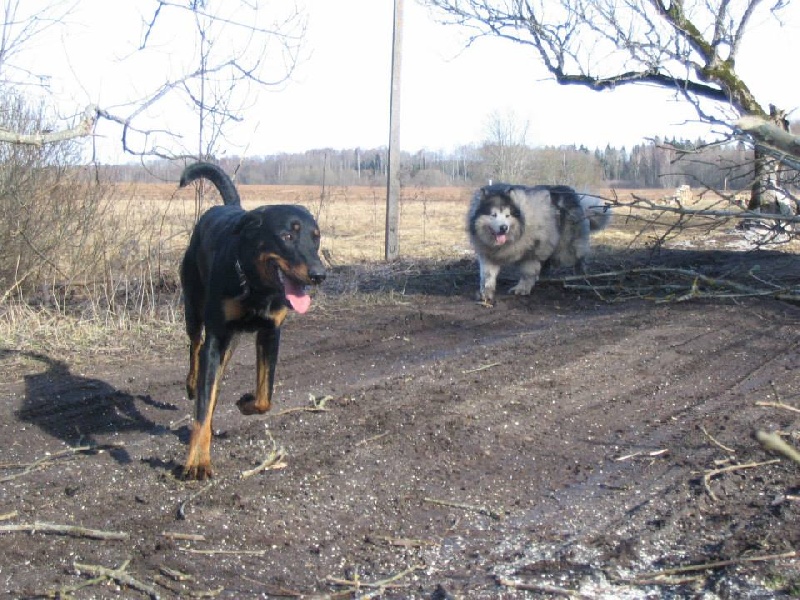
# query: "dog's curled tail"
[220,179]
[598,212]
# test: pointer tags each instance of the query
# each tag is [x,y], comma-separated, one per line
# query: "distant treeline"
[657,164]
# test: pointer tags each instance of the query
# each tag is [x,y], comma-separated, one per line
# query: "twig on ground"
[714,472]
[780,405]
[181,512]
[719,564]
[229,552]
[540,587]
[317,405]
[186,537]
[651,454]
[479,509]
[665,580]
[181,592]
[774,443]
[272,590]
[118,575]
[715,441]
[176,424]
[9,515]
[482,368]
[389,582]
[72,530]
[67,591]
[399,542]
[374,438]
[174,574]
[274,460]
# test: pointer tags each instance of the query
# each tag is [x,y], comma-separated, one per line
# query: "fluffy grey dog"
[533,227]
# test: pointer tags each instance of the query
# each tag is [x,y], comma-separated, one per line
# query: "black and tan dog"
[242,272]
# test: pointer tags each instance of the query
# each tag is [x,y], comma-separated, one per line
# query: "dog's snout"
[503,228]
[317,274]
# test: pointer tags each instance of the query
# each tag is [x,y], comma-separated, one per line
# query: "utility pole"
[393,171]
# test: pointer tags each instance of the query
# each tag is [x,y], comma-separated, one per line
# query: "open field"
[352,219]
[597,439]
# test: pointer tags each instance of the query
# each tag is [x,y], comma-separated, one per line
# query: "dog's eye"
[287,237]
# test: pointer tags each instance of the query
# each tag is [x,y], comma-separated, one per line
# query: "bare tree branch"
[82,129]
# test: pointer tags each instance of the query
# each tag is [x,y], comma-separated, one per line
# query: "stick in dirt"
[73,530]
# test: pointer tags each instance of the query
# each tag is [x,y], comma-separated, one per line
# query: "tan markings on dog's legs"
[194,365]
[267,342]
[198,460]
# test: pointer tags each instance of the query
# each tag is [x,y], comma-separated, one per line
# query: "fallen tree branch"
[698,285]
[71,530]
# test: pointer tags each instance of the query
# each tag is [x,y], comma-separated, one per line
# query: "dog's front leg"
[489,273]
[214,355]
[529,273]
[267,344]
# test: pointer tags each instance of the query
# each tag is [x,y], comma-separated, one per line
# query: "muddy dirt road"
[425,447]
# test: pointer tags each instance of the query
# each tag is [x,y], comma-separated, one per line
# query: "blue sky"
[339,95]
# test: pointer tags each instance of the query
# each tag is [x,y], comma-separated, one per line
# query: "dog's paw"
[521,289]
[484,299]
[198,472]
[248,405]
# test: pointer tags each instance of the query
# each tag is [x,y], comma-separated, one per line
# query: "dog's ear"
[249,221]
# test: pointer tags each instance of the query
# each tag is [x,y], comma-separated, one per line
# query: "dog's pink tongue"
[296,295]
[499,238]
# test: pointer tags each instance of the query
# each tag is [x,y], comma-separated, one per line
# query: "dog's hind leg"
[267,344]
[214,355]
[529,273]
[193,311]
[195,343]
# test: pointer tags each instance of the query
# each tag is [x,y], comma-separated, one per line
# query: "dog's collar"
[242,279]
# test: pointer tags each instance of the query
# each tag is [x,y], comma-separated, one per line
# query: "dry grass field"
[352,219]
